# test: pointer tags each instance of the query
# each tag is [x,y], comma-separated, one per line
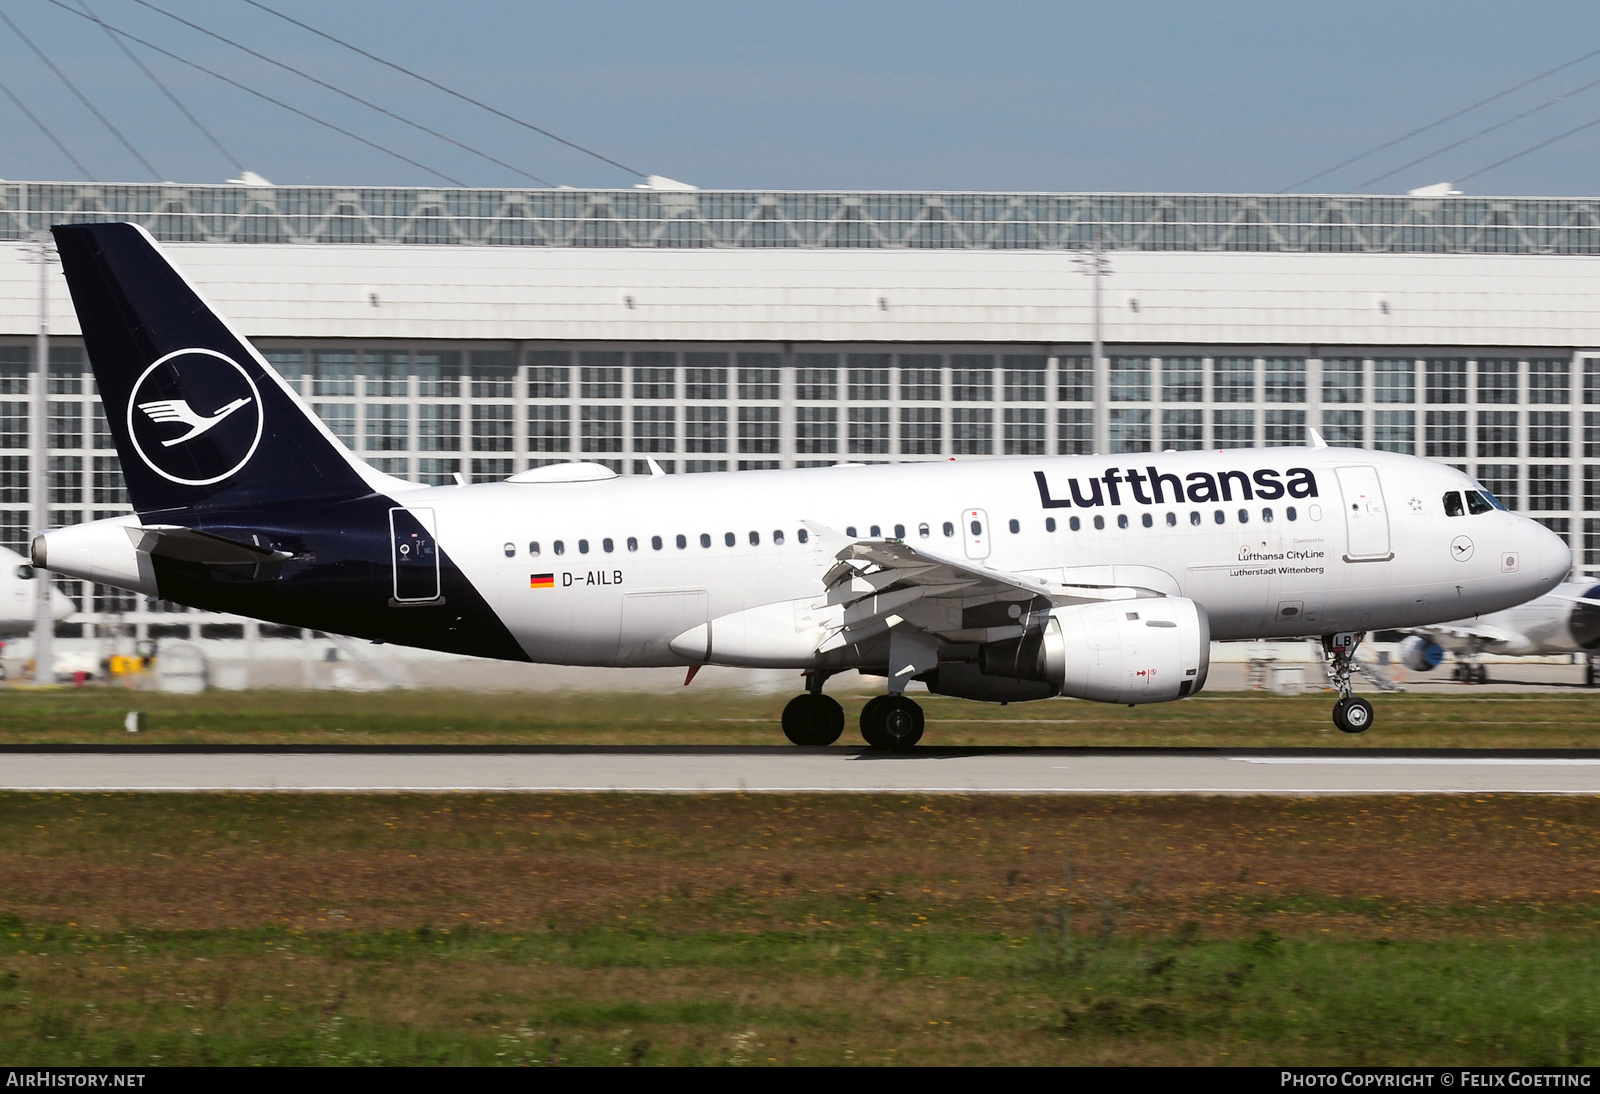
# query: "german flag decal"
[541,581]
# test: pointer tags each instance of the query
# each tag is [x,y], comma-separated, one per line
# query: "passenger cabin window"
[1244,516]
[655,543]
[729,538]
[777,537]
[755,539]
[1172,520]
[1290,512]
[705,539]
[1049,524]
[583,546]
[1122,520]
[1220,516]
[1194,517]
[533,548]
[1452,504]
[876,531]
[1099,523]
[802,535]
[683,541]
[899,531]
[977,528]
[560,548]
[1074,523]
[1477,503]
[511,550]
[850,530]
[633,544]
[949,529]
[923,531]
[1015,526]
[1147,520]
[607,546]
[1266,516]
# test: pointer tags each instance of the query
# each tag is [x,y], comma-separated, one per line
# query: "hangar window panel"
[1345,428]
[758,430]
[333,375]
[436,472]
[65,421]
[971,431]
[1561,526]
[119,601]
[1233,429]
[1024,377]
[549,428]
[388,427]
[398,466]
[1497,381]
[1284,427]
[1549,435]
[1591,488]
[1394,431]
[1591,433]
[600,428]
[492,428]
[1183,430]
[1074,431]
[1285,379]
[696,467]
[655,429]
[1343,380]
[816,382]
[1130,430]
[867,385]
[1025,431]
[289,364]
[1074,379]
[67,364]
[1550,381]
[439,428]
[704,381]
[102,428]
[15,368]
[1591,380]
[758,383]
[921,377]
[549,374]
[66,483]
[816,429]
[14,425]
[1130,379]
[14,480]
[1549,487]
[1183,380]
[1591,542]
[921,431]
[1394,380]
[340,418]
[655,376]
[494,373]
[1501,480]
[388,374]
[971,378]
[1445,434]
[1446,380]
[600,381]
[1233,380]
[15,530]
[705,429]
[491,470]
[1497,435]
[869,429]
[439,374]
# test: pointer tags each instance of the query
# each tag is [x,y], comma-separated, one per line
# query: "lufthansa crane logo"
[195,417]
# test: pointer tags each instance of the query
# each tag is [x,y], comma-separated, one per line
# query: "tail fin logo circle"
[194,417]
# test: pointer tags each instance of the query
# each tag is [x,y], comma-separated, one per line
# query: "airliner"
[1096,577]
[19,597]
[1564,620]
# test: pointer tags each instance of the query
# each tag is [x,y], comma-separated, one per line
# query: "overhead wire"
[82,98]
[1480,133]
[45,129]
[340,91]
[123,46]
[449,91]
[1528,151]
[1431,125]
[268,98]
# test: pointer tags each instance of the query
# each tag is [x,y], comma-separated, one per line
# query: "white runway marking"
[791,770]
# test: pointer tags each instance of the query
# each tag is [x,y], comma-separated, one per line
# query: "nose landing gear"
[1351,714]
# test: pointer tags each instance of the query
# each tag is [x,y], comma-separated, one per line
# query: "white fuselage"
[1362,548]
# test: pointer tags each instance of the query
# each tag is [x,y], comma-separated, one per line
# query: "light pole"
[1096,265]
[44,624]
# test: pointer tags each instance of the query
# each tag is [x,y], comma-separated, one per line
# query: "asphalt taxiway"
[781,769]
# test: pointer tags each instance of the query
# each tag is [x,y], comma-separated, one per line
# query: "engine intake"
[1123,651]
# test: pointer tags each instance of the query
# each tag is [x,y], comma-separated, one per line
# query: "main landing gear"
[1351,714]
[892,723]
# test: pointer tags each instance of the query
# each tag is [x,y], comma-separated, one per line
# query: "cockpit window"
[1453,506]
[25,572]
[1477,503]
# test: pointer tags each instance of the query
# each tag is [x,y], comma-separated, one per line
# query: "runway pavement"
[779,769]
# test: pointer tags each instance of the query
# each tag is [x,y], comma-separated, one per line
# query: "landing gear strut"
[891,722]
[1351,714]
[813,718]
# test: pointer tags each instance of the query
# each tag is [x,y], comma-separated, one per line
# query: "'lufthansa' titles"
[1153,487]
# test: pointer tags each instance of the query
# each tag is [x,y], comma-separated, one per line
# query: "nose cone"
[61,605]
[1548,558]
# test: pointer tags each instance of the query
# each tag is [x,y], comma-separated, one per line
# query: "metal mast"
[44,624]
[1096,265]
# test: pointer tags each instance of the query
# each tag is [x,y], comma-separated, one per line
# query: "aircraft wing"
[1483,635]
[882,584]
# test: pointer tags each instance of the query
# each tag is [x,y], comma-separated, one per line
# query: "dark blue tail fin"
[198,417]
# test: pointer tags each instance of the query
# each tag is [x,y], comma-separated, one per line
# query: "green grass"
[713,717]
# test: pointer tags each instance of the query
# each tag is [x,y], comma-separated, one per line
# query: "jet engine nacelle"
[1122,651]
[1419,654]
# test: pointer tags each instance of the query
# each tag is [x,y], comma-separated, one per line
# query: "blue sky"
[1224,97]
